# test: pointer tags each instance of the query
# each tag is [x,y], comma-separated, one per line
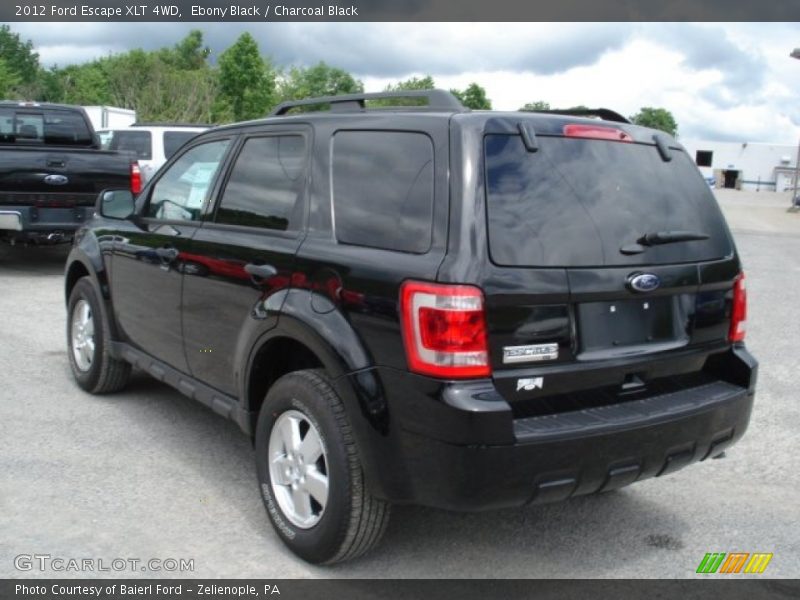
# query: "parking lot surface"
[149,474]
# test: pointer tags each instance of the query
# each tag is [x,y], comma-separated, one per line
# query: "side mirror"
[115,204]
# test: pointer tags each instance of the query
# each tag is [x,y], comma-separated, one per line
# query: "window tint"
[703,158]
[266,184]
[577,202]
[181,191]
[137,142]
[383,189]
[67,128]
[175,139]
[57,127]
[30,127]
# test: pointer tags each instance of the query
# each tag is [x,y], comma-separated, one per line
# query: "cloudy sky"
[727,81]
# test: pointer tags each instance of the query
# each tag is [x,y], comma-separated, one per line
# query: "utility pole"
[796,54]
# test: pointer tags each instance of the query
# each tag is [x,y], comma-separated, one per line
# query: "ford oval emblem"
[643,282]
[56,180]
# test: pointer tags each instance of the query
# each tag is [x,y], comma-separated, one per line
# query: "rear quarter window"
[382,185]
[138,143]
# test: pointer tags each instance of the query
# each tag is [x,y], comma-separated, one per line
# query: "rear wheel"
[311,478]
[88,343]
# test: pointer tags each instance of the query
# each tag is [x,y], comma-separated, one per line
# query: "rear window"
[576,202]
[139,143]
[174,140]
[383,189]
[54,127]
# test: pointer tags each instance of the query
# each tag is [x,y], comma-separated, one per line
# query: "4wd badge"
[532,353]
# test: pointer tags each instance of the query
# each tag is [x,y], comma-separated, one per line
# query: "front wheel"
[311,478]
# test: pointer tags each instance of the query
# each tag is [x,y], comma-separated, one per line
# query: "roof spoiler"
[603,113]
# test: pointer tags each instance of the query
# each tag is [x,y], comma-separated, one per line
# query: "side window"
[266,184]
[383,189]
[181,191]
[173,140]
[140,143]
[703,158]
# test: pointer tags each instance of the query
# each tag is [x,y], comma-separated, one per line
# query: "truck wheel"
[311,478]
[88,340]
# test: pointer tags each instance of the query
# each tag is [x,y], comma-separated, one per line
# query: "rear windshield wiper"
[658,238]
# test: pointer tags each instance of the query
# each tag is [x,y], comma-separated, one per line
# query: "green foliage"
[246,81]
[188,54]
[473,97]
[415,83]
[412,84]
[82,84]
[8,80]
[535,106]
[20,59]
[319,80]
[174,84]
[657,118]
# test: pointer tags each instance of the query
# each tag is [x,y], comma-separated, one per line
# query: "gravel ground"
[148,473]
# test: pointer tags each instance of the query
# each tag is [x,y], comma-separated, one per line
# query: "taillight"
[738,311]
[136,178]
[597,132]
[444,330]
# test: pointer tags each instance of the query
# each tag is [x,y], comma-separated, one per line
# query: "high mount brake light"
[596,132]
[738,311]
[136,178]
[444,330]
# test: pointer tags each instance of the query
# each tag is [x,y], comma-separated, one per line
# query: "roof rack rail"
[603,113]
[168,124]
[440,100]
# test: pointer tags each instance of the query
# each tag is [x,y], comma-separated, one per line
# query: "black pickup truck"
[51,170]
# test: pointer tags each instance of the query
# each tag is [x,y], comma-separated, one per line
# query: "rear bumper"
[556,458]
[36,222]
[553,457]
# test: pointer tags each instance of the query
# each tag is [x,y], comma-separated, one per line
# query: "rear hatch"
[610,267]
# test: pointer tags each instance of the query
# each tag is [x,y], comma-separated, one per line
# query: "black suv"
[423,304]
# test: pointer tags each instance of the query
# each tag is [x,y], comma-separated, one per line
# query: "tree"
[19,57]
[536,106]
[246,81]
[409,85]
[414,83]
[473,97]
[657,118]
[189,53]
[8,80]
[319,80]
[83,84]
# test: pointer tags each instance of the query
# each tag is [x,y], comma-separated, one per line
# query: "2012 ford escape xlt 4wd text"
[423,304]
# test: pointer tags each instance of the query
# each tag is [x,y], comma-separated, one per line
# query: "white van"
[151,144]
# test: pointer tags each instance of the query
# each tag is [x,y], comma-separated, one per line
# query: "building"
[745,165]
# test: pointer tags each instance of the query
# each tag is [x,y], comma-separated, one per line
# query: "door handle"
[167,254]
[260,271]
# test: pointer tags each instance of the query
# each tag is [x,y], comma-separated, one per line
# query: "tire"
[94,369]
[351,521]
